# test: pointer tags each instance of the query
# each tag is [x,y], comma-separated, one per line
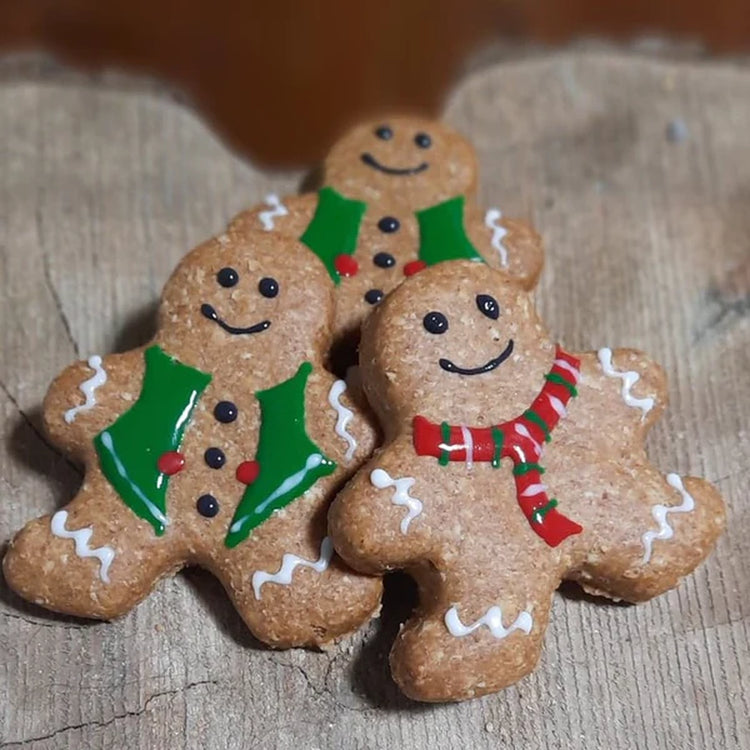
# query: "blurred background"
[279,79]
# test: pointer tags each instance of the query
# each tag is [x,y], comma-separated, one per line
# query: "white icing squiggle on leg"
[344,416]
[88,387]
[629,379]
[277,209]
[289,563]
[492,619]
[382,480]
[660,513]
[81,537]
[491,218]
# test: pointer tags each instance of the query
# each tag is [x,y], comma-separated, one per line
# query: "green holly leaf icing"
[129,449]
[290,463]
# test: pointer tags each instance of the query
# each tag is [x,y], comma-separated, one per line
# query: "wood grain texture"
[101,191]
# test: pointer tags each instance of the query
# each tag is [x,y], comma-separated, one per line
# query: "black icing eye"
[488,306]
[435,322]
[389,224]
[373,296]
[227,277]
[423,140]
[268,287]
[384,133]
[384,260]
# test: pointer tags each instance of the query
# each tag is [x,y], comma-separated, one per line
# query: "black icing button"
[373,296]
[389,224]
[225,411]
[215,457]
[207,506]
[384,260]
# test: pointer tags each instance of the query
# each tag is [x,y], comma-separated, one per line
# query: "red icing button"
[414,266]
[247,472]
[346,265]
[171,462]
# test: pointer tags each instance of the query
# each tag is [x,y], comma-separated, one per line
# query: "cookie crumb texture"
[511,465]
[219,444]
[398,194]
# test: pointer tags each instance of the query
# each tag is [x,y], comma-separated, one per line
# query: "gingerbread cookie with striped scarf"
[219,444]
[399,193]
[510,465]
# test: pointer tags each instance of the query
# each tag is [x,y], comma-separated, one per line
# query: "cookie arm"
[88,395]
[511,245]
[375,521]
[625,388]
[288,216]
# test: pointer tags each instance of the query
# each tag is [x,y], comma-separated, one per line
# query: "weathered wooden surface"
[102,190]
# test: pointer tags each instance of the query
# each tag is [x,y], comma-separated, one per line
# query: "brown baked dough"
[471,499]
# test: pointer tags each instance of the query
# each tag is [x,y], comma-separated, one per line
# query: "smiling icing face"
[235,297]
[414,162]
[459,337]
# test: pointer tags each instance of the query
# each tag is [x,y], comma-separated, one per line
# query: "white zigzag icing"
[381,479]
[81,537]
[492,619]
[629,379]
[344,416]
[88,387]
[277,209]
[660,513]
[491,218]
[288,565]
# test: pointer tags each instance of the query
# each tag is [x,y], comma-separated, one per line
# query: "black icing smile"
[371,161]
[448,366]
[209,312]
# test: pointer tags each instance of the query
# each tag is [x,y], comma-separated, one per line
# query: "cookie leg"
[297,593]
[646,532]
[94,558]
[472,635]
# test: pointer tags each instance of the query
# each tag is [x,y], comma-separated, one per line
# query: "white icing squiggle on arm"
[491,218]
[289,563]
[629,379]
[81,537]
[344,416]
[492,619]
[88,387]
[277,209]
[660,513]
[382,480]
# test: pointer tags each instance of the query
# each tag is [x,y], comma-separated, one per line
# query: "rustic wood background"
[104,186]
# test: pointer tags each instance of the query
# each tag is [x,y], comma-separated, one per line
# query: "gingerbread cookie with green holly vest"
[398,195]
[511,464]
[219,444]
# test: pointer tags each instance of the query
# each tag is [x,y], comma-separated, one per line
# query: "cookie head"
[410,160]
[250,297]
[458,333]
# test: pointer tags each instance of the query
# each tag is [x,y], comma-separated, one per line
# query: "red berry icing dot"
[414,266]
[247,472]
[171,462]
[346,265]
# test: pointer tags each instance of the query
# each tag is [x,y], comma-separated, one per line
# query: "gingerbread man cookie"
[510,465]
[399,194]
[219,445]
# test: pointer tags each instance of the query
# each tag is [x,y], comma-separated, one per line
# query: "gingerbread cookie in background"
[399,194]
[219,444]
[510,465]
